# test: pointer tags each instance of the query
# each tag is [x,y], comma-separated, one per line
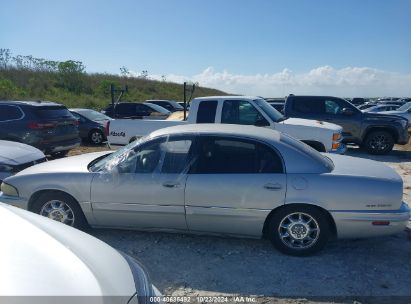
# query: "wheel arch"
[328,215]
[388,129]
[39,193]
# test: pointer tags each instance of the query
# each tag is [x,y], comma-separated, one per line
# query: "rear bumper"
[358,224]
[60,146]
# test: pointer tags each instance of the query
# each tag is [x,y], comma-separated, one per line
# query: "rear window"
[206,111]
[52,112]
[311,152]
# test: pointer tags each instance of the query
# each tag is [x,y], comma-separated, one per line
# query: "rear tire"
[299,230]
[60,207]
[379,142]
[96,137]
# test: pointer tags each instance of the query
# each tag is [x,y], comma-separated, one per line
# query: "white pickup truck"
[244,110]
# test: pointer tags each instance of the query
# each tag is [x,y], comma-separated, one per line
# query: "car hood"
[41,257]
[382,116]
[14,153]
[71,164]
[356,166]
[312,123]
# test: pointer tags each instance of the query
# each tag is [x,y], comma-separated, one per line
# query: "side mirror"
[347,111]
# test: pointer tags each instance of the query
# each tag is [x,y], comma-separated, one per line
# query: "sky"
[257,47]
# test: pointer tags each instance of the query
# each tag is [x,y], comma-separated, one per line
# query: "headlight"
[9,190]
[404,123]
[141,279]
[6,168]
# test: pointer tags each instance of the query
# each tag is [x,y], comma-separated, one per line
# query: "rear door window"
[206,111]
[220,155]
[125,109]
[10,112]
[309,105]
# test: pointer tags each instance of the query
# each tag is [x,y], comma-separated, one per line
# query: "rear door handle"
[171,184]
[273,187]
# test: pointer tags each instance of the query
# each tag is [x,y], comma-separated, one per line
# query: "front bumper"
[359,223]
[14,201]
[404,137]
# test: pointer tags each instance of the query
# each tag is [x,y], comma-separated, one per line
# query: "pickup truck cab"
[242,110]
[377,133]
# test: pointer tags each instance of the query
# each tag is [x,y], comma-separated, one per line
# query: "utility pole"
[114,90]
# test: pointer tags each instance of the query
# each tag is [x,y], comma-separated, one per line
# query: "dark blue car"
[93,125]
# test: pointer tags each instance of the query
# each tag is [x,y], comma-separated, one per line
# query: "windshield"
[269,110]
[107,163]
[92,115]
[405,107]
[314,154]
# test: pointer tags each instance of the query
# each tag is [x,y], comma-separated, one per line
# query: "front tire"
[299,230]
[60,207]
[379,142]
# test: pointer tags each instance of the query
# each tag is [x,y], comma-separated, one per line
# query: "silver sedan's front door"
[145,188]
[233,186]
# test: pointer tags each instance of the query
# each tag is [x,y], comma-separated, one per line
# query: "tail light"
[107,128]
[41,125]
[76,122]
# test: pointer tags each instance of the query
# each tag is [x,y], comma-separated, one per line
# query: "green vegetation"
[66,82]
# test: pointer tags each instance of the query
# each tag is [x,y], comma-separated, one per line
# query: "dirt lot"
[379,269]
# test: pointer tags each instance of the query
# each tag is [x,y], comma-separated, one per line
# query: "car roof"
[36,103]
[230,97]
[221,129]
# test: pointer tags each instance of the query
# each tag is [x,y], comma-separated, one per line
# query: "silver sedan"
[219,179]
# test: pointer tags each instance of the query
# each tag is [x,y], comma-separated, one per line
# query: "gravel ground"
[345,272]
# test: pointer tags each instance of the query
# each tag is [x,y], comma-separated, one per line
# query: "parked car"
[241,110]
[15,157]
[367,105]
[42,259]
[93,126]
[403,111]
[48,126]
[181,103]
[279,106]
[375,132]
[219,179]
[171,105]
[136,110]
[380,108]
[358,101]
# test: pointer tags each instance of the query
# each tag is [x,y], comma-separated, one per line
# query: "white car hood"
[312,123]
[41,257]
[71,164]
[13,153]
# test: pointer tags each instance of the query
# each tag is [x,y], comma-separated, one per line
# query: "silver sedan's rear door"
[233,185]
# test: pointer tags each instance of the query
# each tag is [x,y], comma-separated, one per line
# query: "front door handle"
[273,187]
[171,184]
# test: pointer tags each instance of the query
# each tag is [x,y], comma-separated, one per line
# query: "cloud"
[324,80]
